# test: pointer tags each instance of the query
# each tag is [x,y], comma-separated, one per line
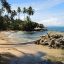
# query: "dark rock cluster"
[54,40]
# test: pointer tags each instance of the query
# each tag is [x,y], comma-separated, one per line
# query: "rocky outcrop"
[54,40]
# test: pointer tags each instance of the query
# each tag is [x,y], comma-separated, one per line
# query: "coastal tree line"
[8,21]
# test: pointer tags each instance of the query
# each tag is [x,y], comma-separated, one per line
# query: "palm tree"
[30,11]
[24,11]
[1,11]
[6,5]
[13,13]
[19,11]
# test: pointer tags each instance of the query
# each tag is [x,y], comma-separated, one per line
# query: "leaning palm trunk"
[18,15]
[24,16]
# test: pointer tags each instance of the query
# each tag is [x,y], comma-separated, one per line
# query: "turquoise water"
[23,36]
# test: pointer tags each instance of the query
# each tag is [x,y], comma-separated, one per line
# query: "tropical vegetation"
[8,21]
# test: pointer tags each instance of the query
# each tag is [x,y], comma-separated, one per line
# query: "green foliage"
[17,24]
[41,26]
[8,22]
[6,5]
[13,13]
[19,11]
[4,23]
[1,11]
[28,25]
[1,23]
[24,12]
[30,11]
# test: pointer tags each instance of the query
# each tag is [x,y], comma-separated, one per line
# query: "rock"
[56,36]
[43,42]
[62,46]
[37,42]
[58,62]
[52,43]
[61,42]
[57,44]
[55,40]
[48,35]
[42,36]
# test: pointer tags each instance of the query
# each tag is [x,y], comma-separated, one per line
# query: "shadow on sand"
[8,58]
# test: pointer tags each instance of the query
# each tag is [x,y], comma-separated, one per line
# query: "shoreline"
[5,40]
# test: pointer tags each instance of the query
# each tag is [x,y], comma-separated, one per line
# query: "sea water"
[24,36]
[56,28]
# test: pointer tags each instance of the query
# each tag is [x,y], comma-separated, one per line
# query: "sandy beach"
[28,53]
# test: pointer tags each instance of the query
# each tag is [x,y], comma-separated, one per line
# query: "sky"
[47,12]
